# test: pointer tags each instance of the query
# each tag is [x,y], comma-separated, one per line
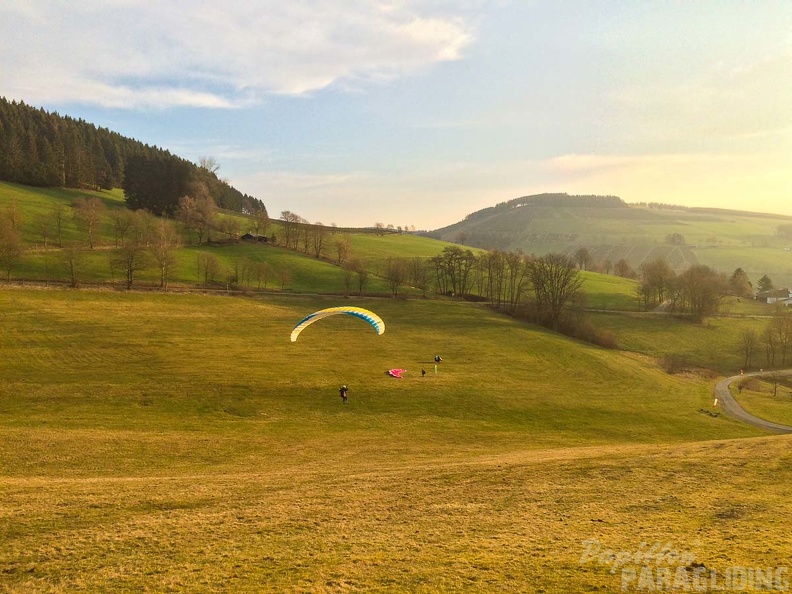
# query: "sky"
[417,113]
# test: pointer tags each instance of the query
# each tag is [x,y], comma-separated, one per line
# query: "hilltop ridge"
[611,229]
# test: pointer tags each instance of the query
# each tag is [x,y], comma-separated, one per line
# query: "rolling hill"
[155,441]
[721,239]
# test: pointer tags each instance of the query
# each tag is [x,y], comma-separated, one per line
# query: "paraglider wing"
[358,312]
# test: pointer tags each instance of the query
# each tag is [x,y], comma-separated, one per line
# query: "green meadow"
[713,345]
[180,442]
[176,441]
[609,292]
[767,400]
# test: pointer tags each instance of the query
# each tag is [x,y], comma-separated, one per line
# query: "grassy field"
[766,401]
[756,261]
[166,442]
[609,292]
[715,344]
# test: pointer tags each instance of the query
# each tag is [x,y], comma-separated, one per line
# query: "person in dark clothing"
[343,392]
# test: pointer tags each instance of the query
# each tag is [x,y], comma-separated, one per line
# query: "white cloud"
[138,53]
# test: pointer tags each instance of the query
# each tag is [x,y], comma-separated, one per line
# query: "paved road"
[732,408]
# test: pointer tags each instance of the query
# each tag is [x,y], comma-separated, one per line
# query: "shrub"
[673,364]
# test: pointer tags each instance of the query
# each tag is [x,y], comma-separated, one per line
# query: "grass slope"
[306,274]
[766,401]
[715,345]
[177,441]
[518,523]
[609,292]
[723,240]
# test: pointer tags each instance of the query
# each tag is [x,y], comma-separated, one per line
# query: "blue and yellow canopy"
[358,312]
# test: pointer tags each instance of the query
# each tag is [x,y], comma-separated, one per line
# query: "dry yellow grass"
[515,522]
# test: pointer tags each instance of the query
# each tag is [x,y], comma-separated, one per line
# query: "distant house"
[775,296]
[254,238]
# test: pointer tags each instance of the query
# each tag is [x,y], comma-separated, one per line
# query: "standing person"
[343,391]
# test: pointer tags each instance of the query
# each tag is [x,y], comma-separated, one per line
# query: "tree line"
[142,240]
[696,292]
[772,345]
[551,200]
[44,149]
[541,289]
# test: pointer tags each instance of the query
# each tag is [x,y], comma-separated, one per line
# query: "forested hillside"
[612,231]
[555,200]
[45,149]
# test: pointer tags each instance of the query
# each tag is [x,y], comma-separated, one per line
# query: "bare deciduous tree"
[749,341]
[211,164]
[700,291]
[318,239]
[88,216]
[122,222]
[555,280]
[73,257]
[132,257]
[781,327]
[261,222]
[209,267]
[396,272]
[263,272]
[583,258]
[163,245]
[285,277]
[343,247]
[57,214]
[347,269]
[770,344]
[198,215]
[290,228]
[419,274]
[10,245]
[623,269]
[231,226]
[656,278]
